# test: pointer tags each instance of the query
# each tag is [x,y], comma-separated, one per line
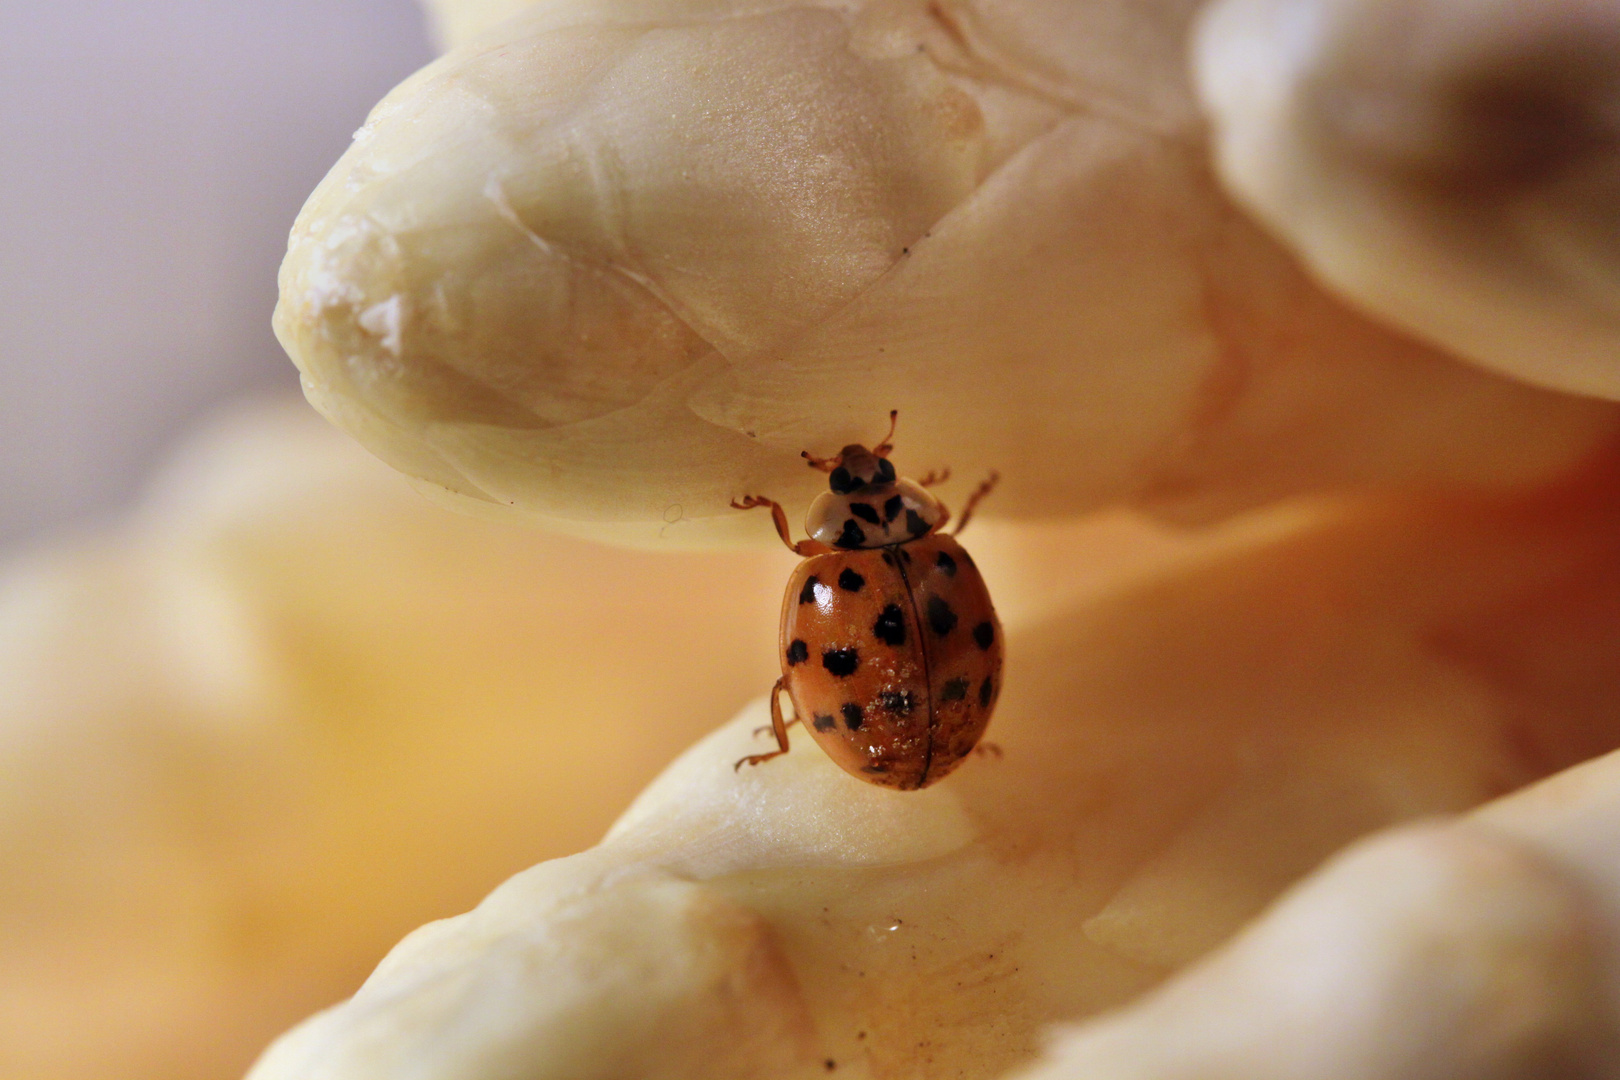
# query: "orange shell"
[892,657]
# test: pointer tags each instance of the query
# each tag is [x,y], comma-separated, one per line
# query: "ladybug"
[891,650]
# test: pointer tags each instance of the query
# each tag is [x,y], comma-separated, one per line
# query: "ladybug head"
[856,467]
[859,468]
[867,506]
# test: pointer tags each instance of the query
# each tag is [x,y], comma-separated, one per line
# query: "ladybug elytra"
[891,650]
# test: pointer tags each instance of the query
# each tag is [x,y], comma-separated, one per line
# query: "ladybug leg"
[935,477]
[763,728]
[988,749]
[777,725]
[979,493]
[804,548]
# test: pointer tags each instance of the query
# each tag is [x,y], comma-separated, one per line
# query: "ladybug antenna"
[882,449]
[825,464]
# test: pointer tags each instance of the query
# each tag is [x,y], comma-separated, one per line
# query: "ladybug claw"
[754,759]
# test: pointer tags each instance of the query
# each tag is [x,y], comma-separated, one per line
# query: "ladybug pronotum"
[891,650]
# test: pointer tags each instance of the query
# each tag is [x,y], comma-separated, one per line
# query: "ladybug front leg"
[804,548]
[935,477]
[979,493]
[777,725]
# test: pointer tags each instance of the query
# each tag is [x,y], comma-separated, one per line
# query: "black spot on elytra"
[798,652]
[850,581]
[865,513]
[854,716]
[941,619]
[842,482]
[984,634]
[901,702]
[853,535]
[946,564]
[891,509]
[890,627]
[824,722]
[954,689]
[807,595]
[985,690]
[841,662]
[915,525]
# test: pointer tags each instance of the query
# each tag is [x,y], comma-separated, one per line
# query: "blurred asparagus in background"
[605,267]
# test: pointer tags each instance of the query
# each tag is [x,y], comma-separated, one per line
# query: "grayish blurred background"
[152,157]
